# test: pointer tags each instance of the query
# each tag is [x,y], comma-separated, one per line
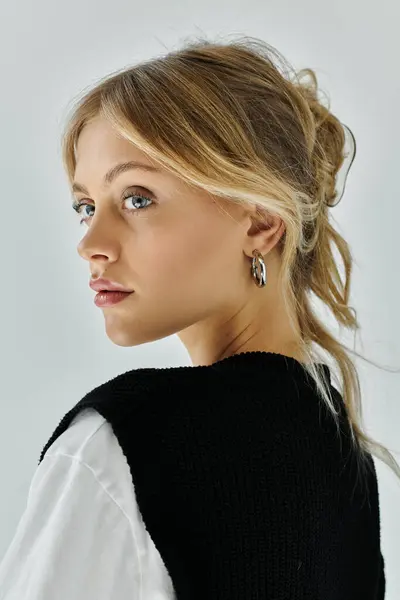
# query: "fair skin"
[187,257]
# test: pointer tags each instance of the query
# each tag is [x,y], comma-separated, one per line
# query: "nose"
[102,239]
[99,247]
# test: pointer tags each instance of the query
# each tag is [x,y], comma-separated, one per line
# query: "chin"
[124,343]
[121,336]
[118,335]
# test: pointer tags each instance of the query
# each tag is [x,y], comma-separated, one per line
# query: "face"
[180,249]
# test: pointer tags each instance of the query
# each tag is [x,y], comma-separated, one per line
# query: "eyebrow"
[114,172]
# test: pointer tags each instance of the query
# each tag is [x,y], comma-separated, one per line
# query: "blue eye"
[77,206]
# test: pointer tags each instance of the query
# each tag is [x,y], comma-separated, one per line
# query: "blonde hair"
[236,120]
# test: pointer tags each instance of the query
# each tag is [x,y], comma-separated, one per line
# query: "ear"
[264,232]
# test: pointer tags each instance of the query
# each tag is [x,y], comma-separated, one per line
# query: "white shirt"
[82,536]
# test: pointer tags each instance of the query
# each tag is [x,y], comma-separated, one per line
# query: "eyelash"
[77,205]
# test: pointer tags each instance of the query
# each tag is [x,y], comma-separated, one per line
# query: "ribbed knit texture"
[243,482]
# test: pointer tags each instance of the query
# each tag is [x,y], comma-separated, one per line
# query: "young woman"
[204,180]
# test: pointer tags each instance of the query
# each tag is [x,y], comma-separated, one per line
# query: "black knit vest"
[245,484]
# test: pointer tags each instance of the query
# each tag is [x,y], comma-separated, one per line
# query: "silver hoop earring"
[258,269]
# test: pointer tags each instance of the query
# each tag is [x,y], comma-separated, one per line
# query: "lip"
[105,298]
[101,285]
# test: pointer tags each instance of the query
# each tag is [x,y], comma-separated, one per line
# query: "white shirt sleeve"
[73,540]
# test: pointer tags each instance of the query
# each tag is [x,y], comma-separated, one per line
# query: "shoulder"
[87,432]
[90,442]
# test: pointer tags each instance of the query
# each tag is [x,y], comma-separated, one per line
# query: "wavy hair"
[235,119]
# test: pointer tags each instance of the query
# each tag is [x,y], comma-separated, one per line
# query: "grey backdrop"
[53,345]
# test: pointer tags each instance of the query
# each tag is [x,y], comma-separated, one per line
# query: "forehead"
[100,144]
[103,154]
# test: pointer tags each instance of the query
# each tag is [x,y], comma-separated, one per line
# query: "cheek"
[187,250]
[176,262]
[199,263]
